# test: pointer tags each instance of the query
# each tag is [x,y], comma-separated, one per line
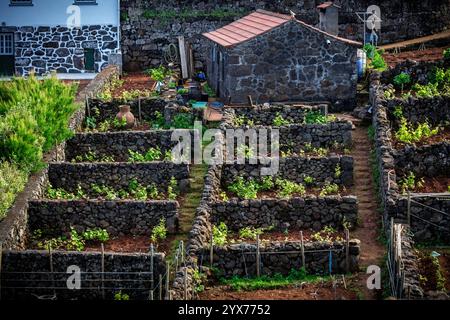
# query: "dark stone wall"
[29,270]
[117,144]
[145,39]
[61,49]
[296,169]
[132,218]
[309,212]
[263,115]
[429,160]
[231,261]
[427,224]
[289,63]
[116,175]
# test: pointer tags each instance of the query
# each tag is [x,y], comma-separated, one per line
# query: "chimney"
[329,17]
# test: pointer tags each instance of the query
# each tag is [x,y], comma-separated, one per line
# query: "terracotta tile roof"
[327,5]
[257,23]
[247,27]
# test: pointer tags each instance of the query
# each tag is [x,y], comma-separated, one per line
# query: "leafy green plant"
[138,191]
[209,91]
[327,234]
[182,91]
[153,192]
[224,197]
[398,112]
[159,74]
[402,79]
[12,181]
[389,94]
[287,188]
[266,183]
[75,242]
[183,121]
[446,53]
[250,233]
[172,189]
[120,296]
[220,234]
[410,183]
[316,117]
[337,171]
[242,120]
[244,189]
[329,189]
[58,194]
[159,232]
[308,180]
[198,278]
[96,235]
[120,123]
[408,134]
[376,57]
[279,121]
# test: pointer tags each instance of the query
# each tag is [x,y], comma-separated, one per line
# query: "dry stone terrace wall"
[131,218]
[13,226]
[265,114]
[435,110]
[429,160]
[32,269]
[232,260]
[308,212]
[428,225]
[117,144]
[322,169]
[145,39]
[117,175]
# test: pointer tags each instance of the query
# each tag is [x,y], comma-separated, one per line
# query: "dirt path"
[372,251]
[188,206]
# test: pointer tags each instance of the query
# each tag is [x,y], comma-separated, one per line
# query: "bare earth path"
[368,229]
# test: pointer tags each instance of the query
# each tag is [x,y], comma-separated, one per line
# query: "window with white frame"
[6,44]
[21,2]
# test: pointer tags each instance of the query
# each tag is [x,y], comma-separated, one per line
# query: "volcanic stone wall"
[116,175]
[132,218]
[60,49]
[308,212]
[148,27]
[240,259]
[28,271]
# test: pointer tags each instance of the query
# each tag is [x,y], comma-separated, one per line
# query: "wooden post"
[347,251]
[167,281]
[409,209]
[103,271]
[258,270]
[140,112]
[250,100]
[185,285]
[87,106]
[160,287]
[1,254]
[152,284]
[302,250]
[51,268]
[211,251]
[182,252]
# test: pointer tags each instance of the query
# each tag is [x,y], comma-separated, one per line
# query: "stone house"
[275,57]
[66,36]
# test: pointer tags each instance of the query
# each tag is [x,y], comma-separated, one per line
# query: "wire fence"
[149,285]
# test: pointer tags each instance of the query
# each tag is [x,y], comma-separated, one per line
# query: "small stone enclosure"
[289,61]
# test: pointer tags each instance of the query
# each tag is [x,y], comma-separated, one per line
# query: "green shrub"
[446,53]
[375,56]
[96,235]
[287,188]
[34,117]
[402,79]
[220,234]
[250,233]
[244,189]
[279,121]
[12,181]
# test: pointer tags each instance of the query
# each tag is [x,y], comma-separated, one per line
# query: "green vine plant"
[159,232]
[242,120]
[410,183]
[317,117]
[410,135]
[220,234]
[120,296]
[329,189]
[172,189]
[279,121]
[327,234]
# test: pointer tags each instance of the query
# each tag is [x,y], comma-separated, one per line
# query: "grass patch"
[274,282]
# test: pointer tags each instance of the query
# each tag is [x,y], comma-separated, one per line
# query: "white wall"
[53,12]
